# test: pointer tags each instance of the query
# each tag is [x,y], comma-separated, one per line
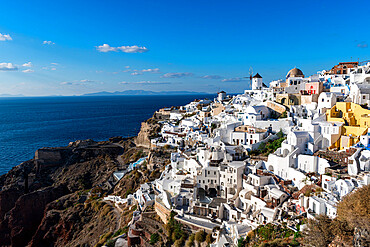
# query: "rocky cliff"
[149,129]
[55,198]
[45,201]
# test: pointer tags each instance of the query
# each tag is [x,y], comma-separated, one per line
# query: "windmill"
[250,75]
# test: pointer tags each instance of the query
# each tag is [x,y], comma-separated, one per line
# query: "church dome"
[295,73]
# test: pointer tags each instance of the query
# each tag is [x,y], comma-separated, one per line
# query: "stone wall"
[275,107]
[48,156]
[162,211]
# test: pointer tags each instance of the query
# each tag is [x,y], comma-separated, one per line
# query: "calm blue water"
[27,124]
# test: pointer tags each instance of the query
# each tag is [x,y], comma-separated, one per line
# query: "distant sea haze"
[27,124]
[126,92]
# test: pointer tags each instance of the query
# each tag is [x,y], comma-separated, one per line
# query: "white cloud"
[362,45]
[177,75]
[48,42]
[236,79]
[7,67]
[53,68]
[29,64]
[136,73]
[28,71]
[82,82]
[156,70]
[66,83]
[70,83]
[145,82]
[54,64]
[133,49]
[127,67]
[5,37]
[106,48]
[211,77]
[126,49]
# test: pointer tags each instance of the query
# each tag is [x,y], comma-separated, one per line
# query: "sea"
[30,123]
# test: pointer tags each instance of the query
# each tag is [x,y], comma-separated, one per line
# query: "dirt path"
[117,213]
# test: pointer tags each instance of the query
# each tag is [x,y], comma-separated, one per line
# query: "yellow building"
[355,119]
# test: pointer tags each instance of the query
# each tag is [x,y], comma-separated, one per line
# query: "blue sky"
[57,47]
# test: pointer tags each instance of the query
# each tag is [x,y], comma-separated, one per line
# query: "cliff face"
[70,223]
[149,129]
[23,219]
[31,212]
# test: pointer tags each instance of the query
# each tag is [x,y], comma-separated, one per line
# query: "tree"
[110,243]
[209,238]
[319,231]
[355,208]
[154,238]
[354,214]
[174,229]
[280,134]
[241,242]
[262,147]
[351,226]
[200,236]
[284,115]
[179,243]
[190,241]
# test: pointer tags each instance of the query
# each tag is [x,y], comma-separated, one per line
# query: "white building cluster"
[262,156]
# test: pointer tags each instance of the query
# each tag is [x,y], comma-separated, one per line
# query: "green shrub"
[200,236]
[154,238]
[110,243]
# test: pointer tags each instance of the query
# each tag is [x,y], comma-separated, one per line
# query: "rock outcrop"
[38,201]
[149,129]
[70,223]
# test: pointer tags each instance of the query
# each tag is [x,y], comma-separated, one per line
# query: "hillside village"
[275,154]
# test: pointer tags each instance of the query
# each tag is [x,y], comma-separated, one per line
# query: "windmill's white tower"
[257,82]
[221,96]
